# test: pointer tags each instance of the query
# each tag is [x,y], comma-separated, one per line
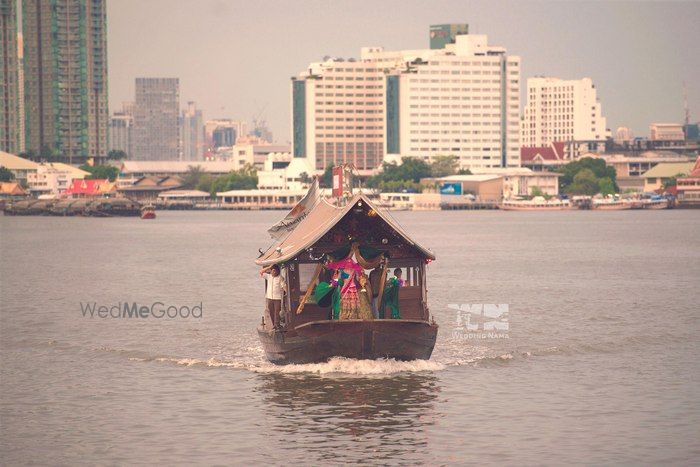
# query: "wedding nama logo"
[133,310]
[480,321]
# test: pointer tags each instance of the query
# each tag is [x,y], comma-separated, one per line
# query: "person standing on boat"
[390,297]
[274,292]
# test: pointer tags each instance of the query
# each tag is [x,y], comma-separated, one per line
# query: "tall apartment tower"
[192,133]
[462,100]
[10,135]
[338,114]
[156,119]
[65,61]
[560,110]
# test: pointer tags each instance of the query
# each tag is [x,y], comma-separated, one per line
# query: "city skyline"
[236,59]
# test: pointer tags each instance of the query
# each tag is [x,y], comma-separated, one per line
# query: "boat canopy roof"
[322,218]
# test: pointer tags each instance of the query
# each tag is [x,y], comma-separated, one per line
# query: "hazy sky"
[235,58]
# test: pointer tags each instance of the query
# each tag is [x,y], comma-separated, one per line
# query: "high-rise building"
[10,136]
[462,100]
[20,85]
[563,111]
[65,61]
[156,119]
[121,130]
[223,132]
[338,114]
[192,133]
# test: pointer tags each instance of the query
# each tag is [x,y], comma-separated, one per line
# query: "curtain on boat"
[366,256]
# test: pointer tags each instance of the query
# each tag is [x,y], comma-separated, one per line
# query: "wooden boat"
[356,229]
[148,212]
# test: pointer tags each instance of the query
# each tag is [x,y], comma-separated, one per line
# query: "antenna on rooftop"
[685,104]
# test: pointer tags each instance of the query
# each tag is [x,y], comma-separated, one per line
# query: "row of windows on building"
[460,81]
[350,119]
[348,94]
[480,155]
[495,62]
[375,136]
[468,115]
[495,122]
[464,98]
[349,127]
[458,106]
[350,103]
[352,78]
[349,86]
[460,90]
[349,111]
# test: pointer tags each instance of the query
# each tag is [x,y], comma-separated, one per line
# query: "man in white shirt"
[275,290]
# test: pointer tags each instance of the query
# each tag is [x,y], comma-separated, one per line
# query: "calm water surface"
[601,366]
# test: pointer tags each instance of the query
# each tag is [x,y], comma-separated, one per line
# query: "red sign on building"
[338,181]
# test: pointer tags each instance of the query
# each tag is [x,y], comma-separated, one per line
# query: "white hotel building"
[560,110]
[461,99]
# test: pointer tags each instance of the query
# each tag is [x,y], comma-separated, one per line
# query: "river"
[599,366]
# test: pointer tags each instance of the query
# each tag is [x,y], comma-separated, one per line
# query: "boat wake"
[350,366]
[335,366]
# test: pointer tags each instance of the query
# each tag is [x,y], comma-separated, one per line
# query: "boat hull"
[318,341]
[505,207]
[612,206]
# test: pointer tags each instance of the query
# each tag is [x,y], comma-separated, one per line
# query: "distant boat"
[538,203]
[611,204]
[655,203]
[148,212]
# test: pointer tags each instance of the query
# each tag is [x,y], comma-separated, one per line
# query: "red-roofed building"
[541,158]
[88,188]
[688,188]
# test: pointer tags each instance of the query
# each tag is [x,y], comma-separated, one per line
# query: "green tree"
[464,172]
[585,183]
[443,166]
[411,170]
[672,181]
[46,153]
[6,174]
[606,186]
[116,155]
[326,180]
[536,191]
[101,172]
[244,179]
[193,175]
[205,183]
[595,165]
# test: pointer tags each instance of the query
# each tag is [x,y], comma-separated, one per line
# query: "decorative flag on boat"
[297,214]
